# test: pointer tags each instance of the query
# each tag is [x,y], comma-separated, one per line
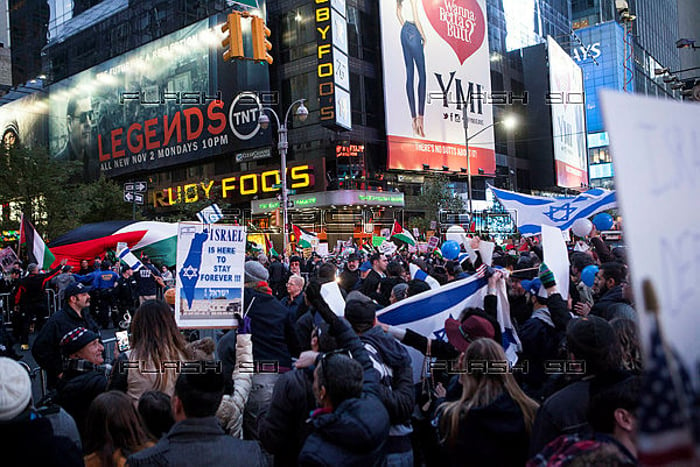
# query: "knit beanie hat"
[255,272]
[15,389]
[76,339]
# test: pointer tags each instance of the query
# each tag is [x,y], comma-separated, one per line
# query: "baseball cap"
[76,288]
[366,266]
[534,287]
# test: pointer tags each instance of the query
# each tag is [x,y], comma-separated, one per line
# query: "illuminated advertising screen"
[170,102]
[436,60]
[567,104]
[600,57]
[25,121]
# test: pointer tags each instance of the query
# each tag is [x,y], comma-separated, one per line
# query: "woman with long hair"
[114,431]
[413,46]
[157,346]
[491,423]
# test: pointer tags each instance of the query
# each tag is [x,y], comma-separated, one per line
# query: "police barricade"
[51,302]
[5,307]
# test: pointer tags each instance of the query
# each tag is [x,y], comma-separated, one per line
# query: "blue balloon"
[588,274]
[450,249]
[603,221]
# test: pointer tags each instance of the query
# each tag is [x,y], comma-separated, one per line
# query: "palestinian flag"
[400,233]
[367,248]
[37,250]
[269,246]
[158,240]
[305,239]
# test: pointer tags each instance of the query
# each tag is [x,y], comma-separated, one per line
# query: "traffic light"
[233,44]
[261,45]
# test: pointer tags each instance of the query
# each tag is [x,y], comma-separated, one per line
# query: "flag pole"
[19,240]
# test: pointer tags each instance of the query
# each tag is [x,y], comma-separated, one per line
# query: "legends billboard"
[170,102]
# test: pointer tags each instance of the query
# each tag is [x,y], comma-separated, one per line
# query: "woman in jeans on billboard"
[413,44]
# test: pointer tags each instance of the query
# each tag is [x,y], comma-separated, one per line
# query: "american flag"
[665,430]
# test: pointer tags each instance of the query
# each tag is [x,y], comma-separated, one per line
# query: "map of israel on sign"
[209,275]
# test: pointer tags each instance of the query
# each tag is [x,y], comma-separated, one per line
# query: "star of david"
[441,334]
[189,272]
[556,215]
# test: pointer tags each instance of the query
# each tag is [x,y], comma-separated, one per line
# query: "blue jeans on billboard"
[413,53]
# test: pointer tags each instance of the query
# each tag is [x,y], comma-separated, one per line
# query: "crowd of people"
[295,384]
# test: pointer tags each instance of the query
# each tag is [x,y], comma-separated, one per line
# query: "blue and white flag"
[534,211]
[129,259]
[426,313]
[418,273]
[210,215]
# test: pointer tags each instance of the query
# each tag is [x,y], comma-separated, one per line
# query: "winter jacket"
[349,280]
[146,284]
[46,350]
[199,441]
[283,430]
[540,340]
[31,289]
[295,306]
[603,304]
[271,328]
[370,287]
[230,412]
[490,435]
[355,433]
[563,413]
[29,439]
[77,389]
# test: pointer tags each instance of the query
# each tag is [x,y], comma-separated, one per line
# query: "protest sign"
[655,151]
[556,257]
[210,275]
[7,258]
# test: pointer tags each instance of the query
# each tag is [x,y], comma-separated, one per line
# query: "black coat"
[602,306]
[32,441]
[283,430]
[271,329]
[46,350]
[76,390]
[355,433]
[370,287]
[491,435]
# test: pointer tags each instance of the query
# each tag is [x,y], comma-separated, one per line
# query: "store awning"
[330,199]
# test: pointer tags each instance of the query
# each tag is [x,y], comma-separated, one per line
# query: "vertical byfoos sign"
[209,275]
[332,71]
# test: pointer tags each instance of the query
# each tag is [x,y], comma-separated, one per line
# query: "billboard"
[436,61]
[600,57]
[169,102]
[25,121]
[567,104]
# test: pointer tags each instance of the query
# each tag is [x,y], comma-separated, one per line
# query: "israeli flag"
[210,215]
[418,273]
[130,259]
[531,212]
[426,313]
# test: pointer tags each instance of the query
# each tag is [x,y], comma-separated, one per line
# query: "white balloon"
[582,227]
[455,233]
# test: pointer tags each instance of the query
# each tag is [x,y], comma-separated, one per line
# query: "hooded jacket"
[355,433]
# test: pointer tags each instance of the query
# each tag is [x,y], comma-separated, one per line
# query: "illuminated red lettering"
[169,130]
[103,156]
[214,113]
[189,113]
[135,149]
[151,133]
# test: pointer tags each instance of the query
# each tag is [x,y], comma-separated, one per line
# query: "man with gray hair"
[294,301]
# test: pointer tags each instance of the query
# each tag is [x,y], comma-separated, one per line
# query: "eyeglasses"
[84,117]
[326,358]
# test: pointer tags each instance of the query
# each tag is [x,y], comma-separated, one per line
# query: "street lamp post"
[509,122]
[302,112]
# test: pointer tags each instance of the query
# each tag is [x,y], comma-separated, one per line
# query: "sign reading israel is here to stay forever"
[210,278]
